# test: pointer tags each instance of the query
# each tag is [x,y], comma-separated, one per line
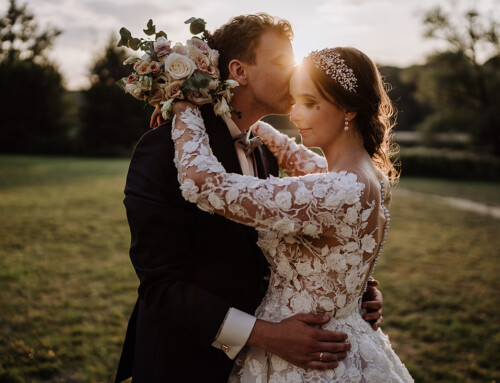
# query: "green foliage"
[37,113]
[19,36]
[36,110]
[112,121]
[401,90]
[134,43]
[442,163]
[196,81]
[463,94]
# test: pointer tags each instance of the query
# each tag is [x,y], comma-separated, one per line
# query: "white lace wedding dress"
[321,233]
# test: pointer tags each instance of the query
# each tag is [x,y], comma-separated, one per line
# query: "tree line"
[453,92]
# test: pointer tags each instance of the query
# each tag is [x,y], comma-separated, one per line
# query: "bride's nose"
[294,115]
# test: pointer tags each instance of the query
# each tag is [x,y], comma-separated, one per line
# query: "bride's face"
[319,121]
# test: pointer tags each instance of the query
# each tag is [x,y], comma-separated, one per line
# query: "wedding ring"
[321,356]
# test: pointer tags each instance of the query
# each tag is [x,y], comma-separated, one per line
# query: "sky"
[389,31]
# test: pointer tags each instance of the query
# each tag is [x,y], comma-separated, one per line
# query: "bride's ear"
[237,71]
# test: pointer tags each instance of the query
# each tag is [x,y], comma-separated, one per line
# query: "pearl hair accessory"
[334,66]
[346,123]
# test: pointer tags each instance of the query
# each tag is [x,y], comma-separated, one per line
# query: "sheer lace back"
[320,232]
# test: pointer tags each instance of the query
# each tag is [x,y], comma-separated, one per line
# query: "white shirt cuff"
[234,332]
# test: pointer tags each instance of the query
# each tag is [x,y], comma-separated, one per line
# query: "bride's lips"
[303,130]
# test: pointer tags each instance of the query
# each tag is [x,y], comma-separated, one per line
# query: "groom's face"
[269,77]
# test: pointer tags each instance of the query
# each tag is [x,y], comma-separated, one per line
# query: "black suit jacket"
[192,265]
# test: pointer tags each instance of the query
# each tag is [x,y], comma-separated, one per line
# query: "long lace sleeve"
[291,205]
[295,159]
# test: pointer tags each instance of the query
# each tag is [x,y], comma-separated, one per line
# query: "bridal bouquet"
[166,73]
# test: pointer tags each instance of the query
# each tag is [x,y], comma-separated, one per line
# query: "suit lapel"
[221,141]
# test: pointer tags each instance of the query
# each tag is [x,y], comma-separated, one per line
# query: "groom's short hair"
[238,38]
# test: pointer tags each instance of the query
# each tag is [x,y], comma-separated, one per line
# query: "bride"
[322,229]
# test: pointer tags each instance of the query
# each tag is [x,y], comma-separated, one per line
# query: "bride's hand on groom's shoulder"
[372,302]
[296,341]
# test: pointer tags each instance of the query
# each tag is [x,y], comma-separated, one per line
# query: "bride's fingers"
[155,117]
[372,305]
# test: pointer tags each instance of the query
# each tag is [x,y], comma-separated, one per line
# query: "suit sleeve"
[160,243]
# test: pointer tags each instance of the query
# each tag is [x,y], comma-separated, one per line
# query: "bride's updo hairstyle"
[358,87]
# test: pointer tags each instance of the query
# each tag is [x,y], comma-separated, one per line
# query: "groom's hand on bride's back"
[296,341]
[372,302]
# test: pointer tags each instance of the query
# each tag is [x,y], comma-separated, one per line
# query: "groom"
[202,276]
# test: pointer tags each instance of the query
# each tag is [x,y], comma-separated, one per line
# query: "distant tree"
[402,86]
[19,36]
[35,109]
[463,93]
[112,121]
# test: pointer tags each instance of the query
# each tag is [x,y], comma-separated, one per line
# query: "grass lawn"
[483,192]
[67,286]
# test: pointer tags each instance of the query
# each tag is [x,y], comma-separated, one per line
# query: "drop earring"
[346,123]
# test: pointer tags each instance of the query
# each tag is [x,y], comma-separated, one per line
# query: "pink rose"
[180,49]
[199,45]
[132,79]
[142,67]
[154,67]
[202,62]
[173,90]
[162,47]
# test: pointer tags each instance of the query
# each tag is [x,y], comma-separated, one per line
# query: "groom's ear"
[238,72]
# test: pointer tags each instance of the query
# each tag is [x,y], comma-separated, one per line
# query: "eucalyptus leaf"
[151,29]
[196,81]
[190,20]
[160,34]
[134,43]
[125,36]
[197,26]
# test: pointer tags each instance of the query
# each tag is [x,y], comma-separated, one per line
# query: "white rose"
[179,66]
[284,200]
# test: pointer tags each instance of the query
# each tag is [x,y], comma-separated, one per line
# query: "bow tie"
[248,145]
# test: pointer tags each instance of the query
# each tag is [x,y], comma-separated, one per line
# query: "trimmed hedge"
[445,163]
